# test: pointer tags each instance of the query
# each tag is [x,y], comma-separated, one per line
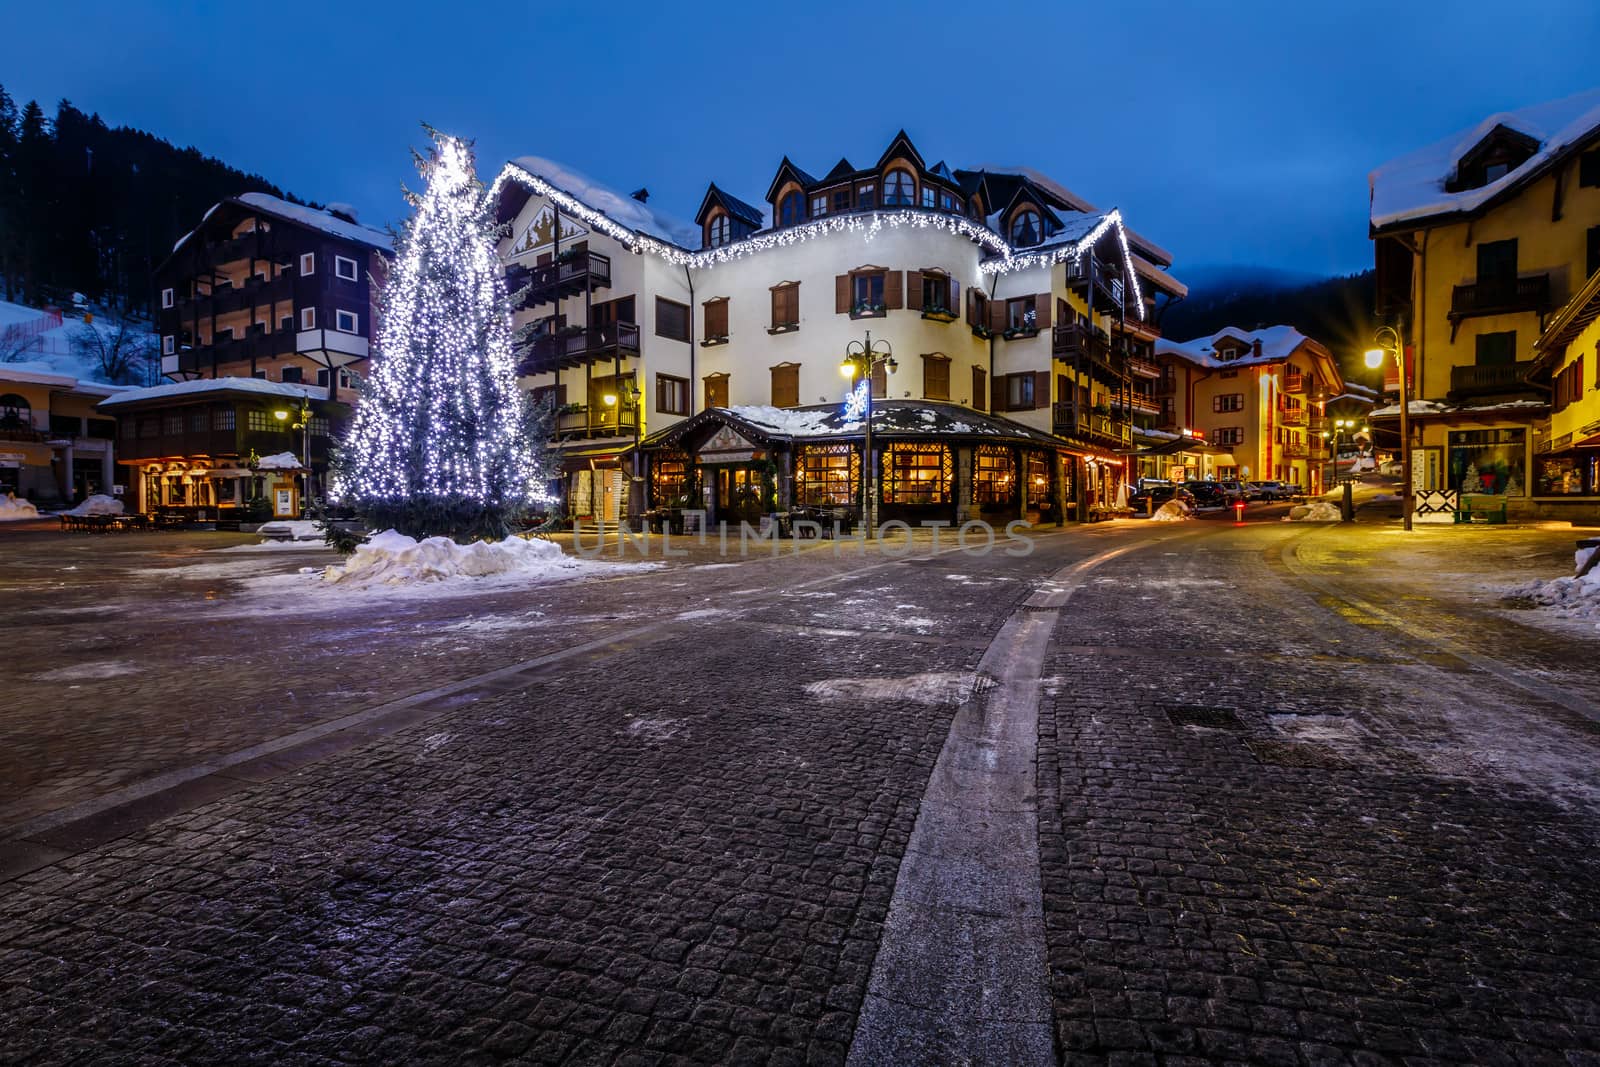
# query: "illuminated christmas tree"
[441,442]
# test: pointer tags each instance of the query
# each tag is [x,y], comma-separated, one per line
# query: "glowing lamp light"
[280,415]
[1375,357]
[610,399]
[847,369]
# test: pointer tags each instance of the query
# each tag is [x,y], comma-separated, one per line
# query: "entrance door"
[739,494]
[611,496]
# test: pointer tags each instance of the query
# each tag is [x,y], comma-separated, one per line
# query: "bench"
[1486,509]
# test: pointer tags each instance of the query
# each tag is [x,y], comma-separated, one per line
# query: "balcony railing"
[573,349]
[1142,404]
[1292,417]
[1500,297]
[1317,423]
[1294,382]
[1109,290]
[548,282]
[1143,368]
[1478,380]
[1295,451]
[255,344]
[1110,430]
[225,299]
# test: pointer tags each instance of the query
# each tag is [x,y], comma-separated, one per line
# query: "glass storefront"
[994,476]
[828,475]
[1489,462]
[1038,483]
[1569,476]
[669,479]
[916,474]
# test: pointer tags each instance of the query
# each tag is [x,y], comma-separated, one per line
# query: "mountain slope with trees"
[85,207]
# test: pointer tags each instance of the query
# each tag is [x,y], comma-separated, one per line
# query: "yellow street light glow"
[1375,356]
[280,415]
[848,368]
[610,399]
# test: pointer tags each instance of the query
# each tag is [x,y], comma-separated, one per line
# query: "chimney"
[1255,348]
[641,194]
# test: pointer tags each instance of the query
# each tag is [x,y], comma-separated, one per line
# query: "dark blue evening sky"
[1229,132]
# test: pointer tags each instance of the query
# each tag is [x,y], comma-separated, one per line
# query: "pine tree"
[10,222]
[440,442]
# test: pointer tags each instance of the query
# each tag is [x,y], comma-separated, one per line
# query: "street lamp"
[1390,343]
[860,360]
[303,424]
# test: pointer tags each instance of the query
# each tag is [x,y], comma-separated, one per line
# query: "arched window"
[720,231]
[1025,229]
[792,209]
[15,412]
[898,189]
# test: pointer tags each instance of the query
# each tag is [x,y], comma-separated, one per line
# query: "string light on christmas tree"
[439,443]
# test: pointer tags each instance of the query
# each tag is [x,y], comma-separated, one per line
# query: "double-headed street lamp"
[303,424]
[860,360]
[1390,343]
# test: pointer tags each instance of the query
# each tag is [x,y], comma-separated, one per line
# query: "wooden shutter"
[935,377]
[1041,304]
[955,294]
[913,290]
[716,317]
[997,316]
[1041,387]
[786,385]
[880,381]
[841,294]
[892,290]
[980,389]
[972,308]
[791,303]
[777,306]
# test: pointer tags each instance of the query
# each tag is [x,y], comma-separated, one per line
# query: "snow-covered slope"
[50,351]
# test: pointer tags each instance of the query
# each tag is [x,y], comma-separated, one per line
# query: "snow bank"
[293,529]
[1318,511]
[12,509]
[97,505]
[393,558]
[279,461]
[1171,511]
[1573,598]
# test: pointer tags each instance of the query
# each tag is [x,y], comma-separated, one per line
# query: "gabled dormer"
[1501,151]
[723,218]
[787,194]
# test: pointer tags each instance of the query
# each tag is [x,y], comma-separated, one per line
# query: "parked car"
[1234,488]
[1156,495]
[1265,491]
[1208,494]
[1293,490]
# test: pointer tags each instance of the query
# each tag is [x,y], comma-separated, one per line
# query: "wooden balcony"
[546,283]
[1144,405]
[1292,417]
[255,344]
[1296,451]
[1109,290]
[1475,380]
[1500,297]
[1140,367]
[225,299]
[1088,349]
[1294,382]
[575,348]
[1110,431]
[1317,423]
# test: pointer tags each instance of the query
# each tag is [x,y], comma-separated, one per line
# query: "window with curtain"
[898,189]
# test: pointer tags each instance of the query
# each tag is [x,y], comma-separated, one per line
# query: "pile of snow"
[291,529]
[98,504]
[13,509]
[392,558]
[1317,511]
[279,461]
[1171,511]
[1573,598]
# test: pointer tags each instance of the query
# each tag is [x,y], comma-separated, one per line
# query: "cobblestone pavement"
[1279,822]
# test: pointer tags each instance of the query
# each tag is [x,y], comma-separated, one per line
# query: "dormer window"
[792,209]
[867,196]
[898,189]
[1025,229]
[1495,171]
[719,232]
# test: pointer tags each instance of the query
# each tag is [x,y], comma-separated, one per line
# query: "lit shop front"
[935,463]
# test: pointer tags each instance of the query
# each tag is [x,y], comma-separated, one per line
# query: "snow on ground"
[279,461]
[931,688]
[1316,511]
[1171,511]
[14,508]
[293,529]
[391,558]
[99,504]
[51,350]
[279,546]
[1569,598]
[80,672]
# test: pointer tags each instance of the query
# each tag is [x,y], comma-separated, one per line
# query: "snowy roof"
[623,210]
[1277,343]
[1413,186]
[47,374]
[889,417]
[318,220]
[1043,181]
[1440,407]
[1162,279]
[315,218]
[204,386]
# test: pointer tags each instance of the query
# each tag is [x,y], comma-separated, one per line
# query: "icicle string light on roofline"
[867,224]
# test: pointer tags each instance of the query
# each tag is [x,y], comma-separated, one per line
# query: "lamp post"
[303,424]
[1389,342]
[860,360]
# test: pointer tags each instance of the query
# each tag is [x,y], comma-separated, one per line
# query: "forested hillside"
[89,208]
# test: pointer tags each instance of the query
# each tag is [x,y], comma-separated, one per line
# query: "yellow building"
[1260,394]
[1479,239]
[55,449]
[1566,461]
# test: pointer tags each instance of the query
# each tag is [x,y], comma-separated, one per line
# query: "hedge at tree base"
[457,518]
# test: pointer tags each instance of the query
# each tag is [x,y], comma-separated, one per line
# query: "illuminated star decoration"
[855,404]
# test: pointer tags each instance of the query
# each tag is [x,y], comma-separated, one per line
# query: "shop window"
[828,475]
[994,476]
[1569,476]
[1488,462]
[669,480]
[916,474]
[1037,482]
[199,421]
[172,424]
[222,419]
[672,395]
[258,420]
